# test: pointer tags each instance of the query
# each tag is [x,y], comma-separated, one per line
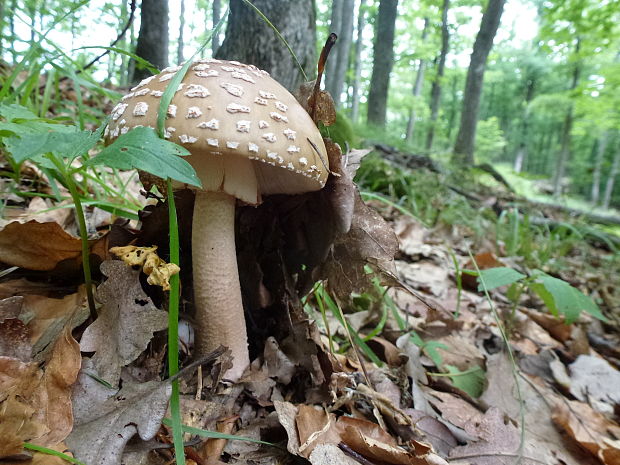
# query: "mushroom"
[248,137]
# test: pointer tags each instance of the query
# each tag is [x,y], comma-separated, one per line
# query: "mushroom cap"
[246,133]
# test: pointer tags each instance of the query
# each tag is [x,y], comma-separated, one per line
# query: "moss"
[341,132]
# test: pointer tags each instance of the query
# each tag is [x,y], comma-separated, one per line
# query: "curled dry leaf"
[324,108]
[126,323]
[589,428]
[37,246]
[157,270]
[593,379]
[370,241]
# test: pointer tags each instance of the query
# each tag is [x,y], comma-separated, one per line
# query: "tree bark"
[465,139]
[521,154]
[383,60]
[598,165]
[153,36]
[357,63]
[335,22]
[344,47]
[250,40]
[180,43]
[564,155]
[217,14]
[609,187]
[437,82]
[417,87]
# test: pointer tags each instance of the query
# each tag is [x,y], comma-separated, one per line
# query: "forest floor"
[441,368]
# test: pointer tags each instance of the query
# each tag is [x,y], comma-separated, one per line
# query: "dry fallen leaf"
[595,381]
[35,404]
[590,429]
[126,321]
[37,246]
[102,430]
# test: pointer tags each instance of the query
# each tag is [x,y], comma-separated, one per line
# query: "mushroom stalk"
[217,293]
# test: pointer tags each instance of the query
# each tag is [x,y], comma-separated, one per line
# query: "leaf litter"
[308,393]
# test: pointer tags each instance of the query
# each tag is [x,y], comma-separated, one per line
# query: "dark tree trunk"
[383,60]
[437,82]
[180,43]
[453,105]
[560,167]
[153,36]
[345,36]
[217,14]
[357,65]
[417,87]
[598,167]
[521,154]
[609,187]
[250,40]
[465,139]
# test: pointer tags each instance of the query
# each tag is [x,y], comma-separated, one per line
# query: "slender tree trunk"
[217,14]
[598,165]
[2,16]
[123,70]
[12,30]
[564,155]
[153,36]
[357,66]
[521,154]
[335,24]
[180,43]
[609,187]
[344,47]
[417,87]
[465,139]
[437,82]
[250,40]
[453,106]
[383,60]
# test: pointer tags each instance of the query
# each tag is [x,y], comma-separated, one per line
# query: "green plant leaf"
[563,299]
[496,277]
[470,381]
[141,149]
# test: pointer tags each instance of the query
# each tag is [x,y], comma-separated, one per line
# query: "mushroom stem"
[217,293]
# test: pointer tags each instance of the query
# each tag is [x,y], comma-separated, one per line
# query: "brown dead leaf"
[370,241]
[324,109]
[589,429]
[315,426]
[126,322]
[340,189]
[377,450]
[37,246]
[35,404]
[14,335]
[49,316]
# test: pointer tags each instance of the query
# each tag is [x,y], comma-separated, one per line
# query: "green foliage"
[471,381]
[142,149]
[560,298]
[342,132]
[489,140]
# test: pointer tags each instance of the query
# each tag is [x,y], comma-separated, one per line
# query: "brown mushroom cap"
[246,133]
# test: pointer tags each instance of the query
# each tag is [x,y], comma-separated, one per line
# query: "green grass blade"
[45,450]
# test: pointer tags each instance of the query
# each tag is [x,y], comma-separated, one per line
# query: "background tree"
[336,77]
[439,73]
[465,139]
[249,40]
[153,36]
[383,61]
[357,61]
